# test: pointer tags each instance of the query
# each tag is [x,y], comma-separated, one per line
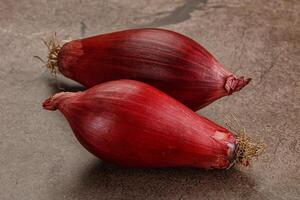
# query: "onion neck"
[58,100]
[234,84]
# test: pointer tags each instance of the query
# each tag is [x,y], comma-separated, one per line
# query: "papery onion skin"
[133,124]
[171,62]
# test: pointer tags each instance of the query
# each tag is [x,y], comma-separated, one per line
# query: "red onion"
[133,124]
[172,62]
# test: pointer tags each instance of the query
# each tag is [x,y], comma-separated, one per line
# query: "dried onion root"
[54,47]
[246,148]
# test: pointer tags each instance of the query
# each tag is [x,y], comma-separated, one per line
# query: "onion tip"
[234,84]
[49,105]
[53,102]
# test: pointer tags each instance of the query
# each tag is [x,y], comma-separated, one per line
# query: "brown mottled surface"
[41,159]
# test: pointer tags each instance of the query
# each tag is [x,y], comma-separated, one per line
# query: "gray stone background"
[41,159]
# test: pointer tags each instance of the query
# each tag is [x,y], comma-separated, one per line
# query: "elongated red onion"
[171,62]
[133,124]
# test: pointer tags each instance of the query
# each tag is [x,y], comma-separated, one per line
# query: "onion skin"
[167,60]
[133,124]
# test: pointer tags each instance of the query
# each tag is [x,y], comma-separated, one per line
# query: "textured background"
[41,159]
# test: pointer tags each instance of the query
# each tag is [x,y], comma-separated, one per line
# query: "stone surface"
[40,158]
